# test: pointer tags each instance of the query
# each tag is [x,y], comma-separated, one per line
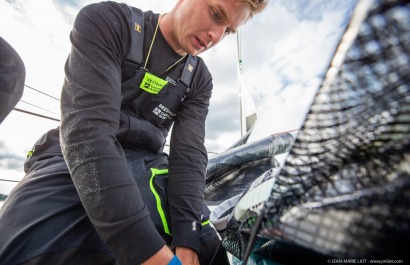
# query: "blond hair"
[255,5]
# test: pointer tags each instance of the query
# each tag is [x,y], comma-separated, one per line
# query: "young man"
[110,195]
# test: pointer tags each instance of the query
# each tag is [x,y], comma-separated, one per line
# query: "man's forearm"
[187,256]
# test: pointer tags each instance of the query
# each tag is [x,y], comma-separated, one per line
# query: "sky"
[285,53]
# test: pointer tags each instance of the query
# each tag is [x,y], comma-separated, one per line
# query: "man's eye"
[216,15]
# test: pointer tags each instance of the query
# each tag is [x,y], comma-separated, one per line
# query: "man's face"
[201,24]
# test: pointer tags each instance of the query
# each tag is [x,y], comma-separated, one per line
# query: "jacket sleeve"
[90,104]
[187,163]
[12,76]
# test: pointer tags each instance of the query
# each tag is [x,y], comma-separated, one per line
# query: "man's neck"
[167,30]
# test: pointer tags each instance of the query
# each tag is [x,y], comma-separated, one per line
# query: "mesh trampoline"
[344,189]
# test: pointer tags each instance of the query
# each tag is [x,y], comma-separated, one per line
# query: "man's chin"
[197,52]
[194,51]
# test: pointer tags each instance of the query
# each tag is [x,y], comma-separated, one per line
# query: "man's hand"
[187,256]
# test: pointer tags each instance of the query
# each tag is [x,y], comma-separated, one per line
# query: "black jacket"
[92,132]
[12,76]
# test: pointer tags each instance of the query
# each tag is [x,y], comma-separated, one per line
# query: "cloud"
[9,160]
[284,69]
[224,113]
[315,9]
[285,51]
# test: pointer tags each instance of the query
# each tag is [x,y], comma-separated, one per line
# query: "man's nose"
[217,33]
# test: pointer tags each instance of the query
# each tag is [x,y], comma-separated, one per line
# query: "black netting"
[344,190]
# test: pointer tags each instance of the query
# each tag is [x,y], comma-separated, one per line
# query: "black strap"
[135,54]
[188,72]
[137,38]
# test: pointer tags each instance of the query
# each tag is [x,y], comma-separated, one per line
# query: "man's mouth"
[201,43]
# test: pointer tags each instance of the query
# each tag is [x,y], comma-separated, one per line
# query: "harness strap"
[135,54]
[188,72]
[133,63]
[137,30]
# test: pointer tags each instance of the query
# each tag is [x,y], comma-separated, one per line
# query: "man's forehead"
[233,11]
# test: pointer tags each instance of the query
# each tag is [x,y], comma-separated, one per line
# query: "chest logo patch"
[152,84]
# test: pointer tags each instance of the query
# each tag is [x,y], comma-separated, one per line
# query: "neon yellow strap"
[161,212]
[157,198]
